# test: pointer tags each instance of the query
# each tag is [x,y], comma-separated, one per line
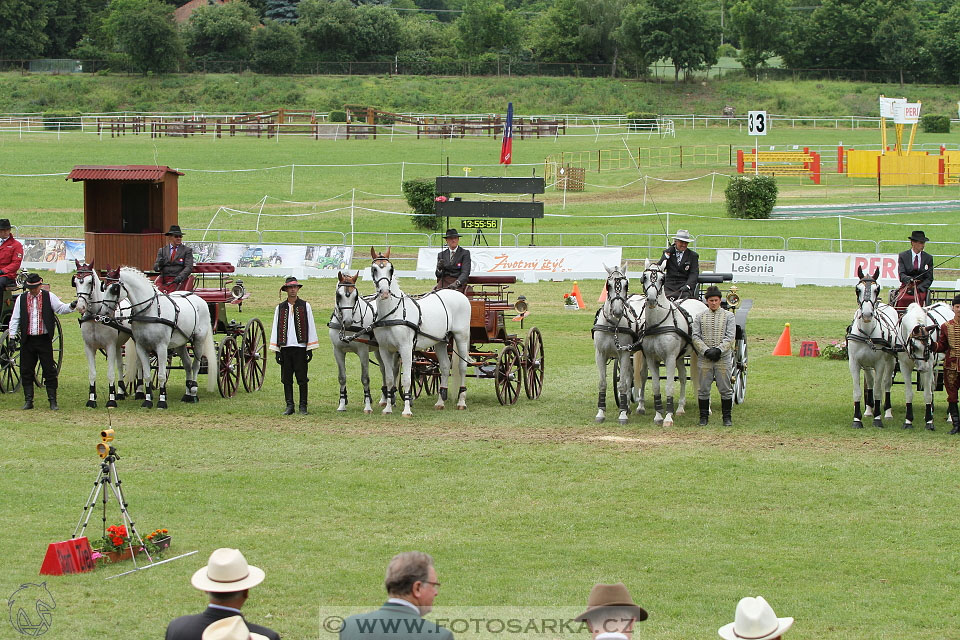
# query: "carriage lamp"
[733,299]
[238,289]
[104,448]
[521,304]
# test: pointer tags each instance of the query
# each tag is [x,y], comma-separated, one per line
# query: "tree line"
[921,39]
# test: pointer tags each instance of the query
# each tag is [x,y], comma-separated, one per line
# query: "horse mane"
[133,271]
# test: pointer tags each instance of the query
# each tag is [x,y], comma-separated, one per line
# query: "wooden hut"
[126,210]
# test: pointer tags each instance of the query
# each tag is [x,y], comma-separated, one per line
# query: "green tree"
[276,48]
[947,36]
[578,31]
[376,32]
[22,24]
[326,28]
[69,20]
[759,25]
[678,30]
[221,31]
[840,35]
[486,25]
[898,38]
[144,31]
[282,10]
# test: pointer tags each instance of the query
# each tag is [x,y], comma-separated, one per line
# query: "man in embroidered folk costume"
[33,318]
[949,344]
[11,255]
[453,264]
[714,333]
[293,337]
[174,261]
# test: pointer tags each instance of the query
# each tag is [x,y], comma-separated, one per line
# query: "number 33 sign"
[757,123]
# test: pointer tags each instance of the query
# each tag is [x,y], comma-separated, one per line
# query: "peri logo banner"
[544,261]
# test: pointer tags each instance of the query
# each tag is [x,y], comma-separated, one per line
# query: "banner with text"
[544,261]
[805,267]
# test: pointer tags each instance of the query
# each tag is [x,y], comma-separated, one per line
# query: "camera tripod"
[107,475]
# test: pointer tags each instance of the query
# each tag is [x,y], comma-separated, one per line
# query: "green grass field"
[851,532]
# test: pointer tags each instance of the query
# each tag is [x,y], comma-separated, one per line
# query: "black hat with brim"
[918,236]
[451,233]
[33,280]
[4,223]
[174,231]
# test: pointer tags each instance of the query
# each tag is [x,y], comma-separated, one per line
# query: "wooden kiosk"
[126,210]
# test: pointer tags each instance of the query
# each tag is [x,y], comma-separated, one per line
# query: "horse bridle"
[339,309]
[133,308]
[621,286]
[873,299]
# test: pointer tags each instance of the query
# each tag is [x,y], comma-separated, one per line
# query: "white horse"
[872,340]
[162,322]
[616,328]
[351,324]
[919,331]
[98,335]
[666,338]
[405,324]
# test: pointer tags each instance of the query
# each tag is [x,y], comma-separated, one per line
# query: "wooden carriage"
[126,210]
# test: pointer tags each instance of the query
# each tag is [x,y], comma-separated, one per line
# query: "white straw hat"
[226,571]
[755,620]
[233,628]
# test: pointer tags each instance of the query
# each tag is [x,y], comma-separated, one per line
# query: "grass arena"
[527,506]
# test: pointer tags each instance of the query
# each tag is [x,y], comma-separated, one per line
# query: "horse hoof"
[146,405]
[186,398]
[930,426]
[907,425]
[641,411]
[111,404]
[439,407]
[857,424]
[461,407]
[878,423]
[387,411]
[368,411]
[599,419]
[162,404]
[658,420]
[681,411]
[407,414]
[888,414]
[92,404]
[668,423]
[382,403]
[622,421]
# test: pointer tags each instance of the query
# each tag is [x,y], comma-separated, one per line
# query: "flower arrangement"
[115,539]
[569,300]
[157,541]
[836,350]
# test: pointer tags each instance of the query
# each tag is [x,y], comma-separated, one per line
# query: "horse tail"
[210,352]
[131,363]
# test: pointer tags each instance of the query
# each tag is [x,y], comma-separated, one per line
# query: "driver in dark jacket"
[453,264]
[682,267]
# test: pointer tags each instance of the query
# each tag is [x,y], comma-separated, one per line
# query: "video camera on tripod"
[104,448]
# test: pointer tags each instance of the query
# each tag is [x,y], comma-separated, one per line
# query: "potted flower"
[569,302]
[157,541]
[115,545]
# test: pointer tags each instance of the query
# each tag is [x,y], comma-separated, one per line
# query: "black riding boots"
[704,411]
[727,407]
[288,396]
[954,417]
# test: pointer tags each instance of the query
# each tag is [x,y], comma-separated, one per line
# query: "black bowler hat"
[918,236]
[4,223]
[34,280]
[174,231]
[451,233]
[712,292]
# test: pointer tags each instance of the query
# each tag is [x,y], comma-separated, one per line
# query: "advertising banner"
[251,258]
[805,267]
[544,261]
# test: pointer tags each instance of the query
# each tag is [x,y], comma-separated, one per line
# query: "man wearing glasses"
[412,585]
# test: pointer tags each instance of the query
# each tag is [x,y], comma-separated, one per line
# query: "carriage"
[511,360]
[10,349]
[740,308]
[242,351]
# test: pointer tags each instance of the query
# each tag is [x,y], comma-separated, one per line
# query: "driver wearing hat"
[682,267]
[453,264]
[915,267]
[11,255]
[611,612]
[227,579]
[174,261]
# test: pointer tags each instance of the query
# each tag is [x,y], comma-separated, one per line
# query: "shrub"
[420,195]
[641,120]
[935,124]
[752,197]
[337,116]
[726,50]
[61,121]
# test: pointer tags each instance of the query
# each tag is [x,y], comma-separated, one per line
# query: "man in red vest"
[11,255]
[293,336]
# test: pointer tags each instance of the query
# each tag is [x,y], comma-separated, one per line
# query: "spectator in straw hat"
[293,337]
[227,579]
[231,629]
[453,264]
[611,612]
[755,620]
[682,267]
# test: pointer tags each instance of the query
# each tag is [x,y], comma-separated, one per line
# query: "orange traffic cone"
[576,294]
[783,344]
[603,295]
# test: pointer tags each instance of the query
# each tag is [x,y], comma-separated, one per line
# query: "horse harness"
[387,321]
[358,330]
[135,312]
[876,343]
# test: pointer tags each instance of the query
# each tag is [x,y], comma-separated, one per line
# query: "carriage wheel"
[739,373]
[507,376]
[253,364]
[533,364]
[57,342]
[228,369]
[9,364]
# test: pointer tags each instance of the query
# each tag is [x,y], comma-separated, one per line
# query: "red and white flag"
[506,150]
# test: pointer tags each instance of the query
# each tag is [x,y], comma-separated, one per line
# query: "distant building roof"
[182,14]
[145,172]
